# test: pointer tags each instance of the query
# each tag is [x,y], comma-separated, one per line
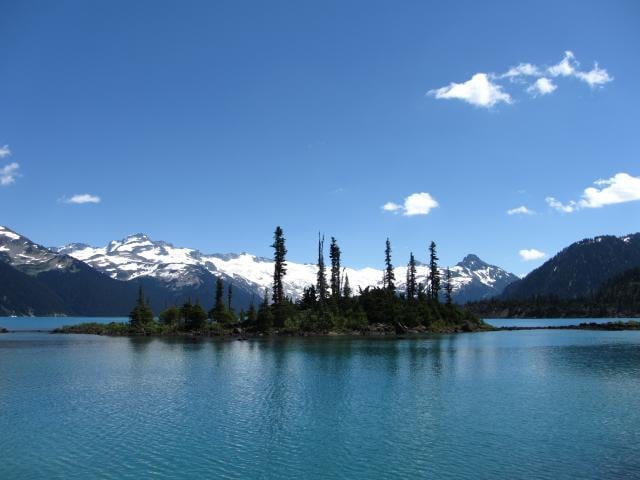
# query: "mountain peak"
[136,237]
[70,248]
[129,242]
[472,261]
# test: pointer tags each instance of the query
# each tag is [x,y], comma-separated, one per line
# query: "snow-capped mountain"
[478,279]
[139,256]
[27,256]
[35,280]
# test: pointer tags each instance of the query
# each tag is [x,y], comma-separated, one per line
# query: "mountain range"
[78,279]
[138,256]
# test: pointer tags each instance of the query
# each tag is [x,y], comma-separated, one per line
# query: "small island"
[329,307]
[3,330]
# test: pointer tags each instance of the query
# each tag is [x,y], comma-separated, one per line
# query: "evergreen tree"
[217,311]
[321,281]
[252,315]
[219,294]
[434,273]
[334,254]
[279,271]
[229,295]
[346,289]
[197,317]
[170,316]
[448,287]
[412,287]
[141,316]
[185,312]
[389,277]
[193,315]
[264,318]
[309,298]
[280,266]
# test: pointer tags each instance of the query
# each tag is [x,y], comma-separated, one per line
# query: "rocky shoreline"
[374,330]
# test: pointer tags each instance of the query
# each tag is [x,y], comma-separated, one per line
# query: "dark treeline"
[618,297]
[328,306]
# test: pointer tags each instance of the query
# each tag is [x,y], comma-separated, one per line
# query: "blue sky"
[208,123]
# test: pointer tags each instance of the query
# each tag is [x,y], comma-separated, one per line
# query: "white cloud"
[5,151]
[487,90]
[522,70]
[419,204]
[478,91]
[620,188]
[561,207]
[522,210]
[531,254]
[542,86]
[415,204]
[83,198]
[8,174]
[595,77]
[391,207]
[566,67]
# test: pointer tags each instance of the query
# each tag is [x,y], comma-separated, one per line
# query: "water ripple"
[493,405]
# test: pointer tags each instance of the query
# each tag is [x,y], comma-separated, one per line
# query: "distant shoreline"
[609,326]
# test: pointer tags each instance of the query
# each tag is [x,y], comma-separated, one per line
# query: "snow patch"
[7,233]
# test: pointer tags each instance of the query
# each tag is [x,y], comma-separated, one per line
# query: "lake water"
[549,322]
[525,404]
[49,323]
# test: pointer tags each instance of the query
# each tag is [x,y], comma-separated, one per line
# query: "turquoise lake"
[539,404]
